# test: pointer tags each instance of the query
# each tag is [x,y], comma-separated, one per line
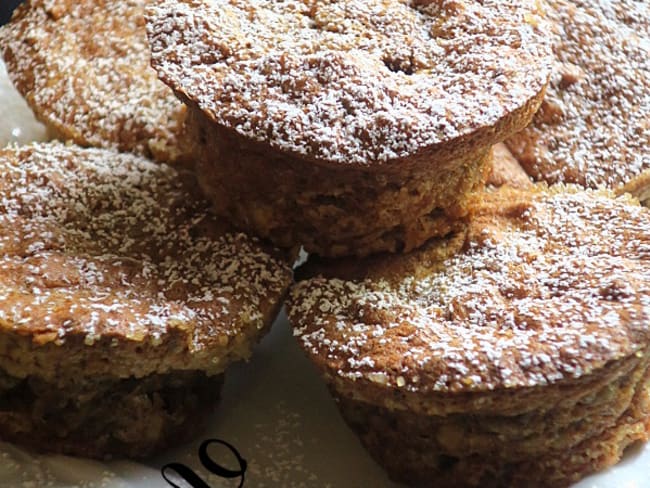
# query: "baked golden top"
[103,245]
[543,286]
[83,66]
[594,126]
[361,81]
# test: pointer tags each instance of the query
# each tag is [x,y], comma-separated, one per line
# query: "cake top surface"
[83,67]
[357,82]
[542,287]
[103,245]
[593,128]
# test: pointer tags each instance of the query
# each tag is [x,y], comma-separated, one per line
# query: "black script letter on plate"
[208,463]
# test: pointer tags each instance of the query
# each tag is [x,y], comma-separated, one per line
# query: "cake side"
[592,128]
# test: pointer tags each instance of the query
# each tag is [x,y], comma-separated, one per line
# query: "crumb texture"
[327,211]
[542,287]
[107,418]
[593,128]
[351,82]
[83,67]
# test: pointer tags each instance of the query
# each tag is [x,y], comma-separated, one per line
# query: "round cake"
[83,67]
[122,301]
[348,127]
[515,353]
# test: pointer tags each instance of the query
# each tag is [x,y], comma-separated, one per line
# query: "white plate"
[275,411]
[17,124]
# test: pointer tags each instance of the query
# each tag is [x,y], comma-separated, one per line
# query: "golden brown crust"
[509,304]
[365,83]
[592,128]
[83,67]
[107,257]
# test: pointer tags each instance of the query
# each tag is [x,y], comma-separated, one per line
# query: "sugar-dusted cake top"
[83,66]
[542,287]
[102,247]
[593,128]
[360,82]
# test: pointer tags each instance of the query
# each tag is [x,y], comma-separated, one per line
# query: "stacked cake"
[476,326]
[123,298]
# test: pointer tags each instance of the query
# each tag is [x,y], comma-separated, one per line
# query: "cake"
[592,128]
[353,127]
[122,301]
[513,353]
[83,67]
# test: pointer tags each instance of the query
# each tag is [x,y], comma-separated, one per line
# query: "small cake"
[514,353]
[83,67]
[348,127]
[593,127]
[122,301]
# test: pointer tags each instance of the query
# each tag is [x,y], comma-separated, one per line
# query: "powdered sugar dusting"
[594,125]
[105,244]
[354,82]
[83,66]
[554,293]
